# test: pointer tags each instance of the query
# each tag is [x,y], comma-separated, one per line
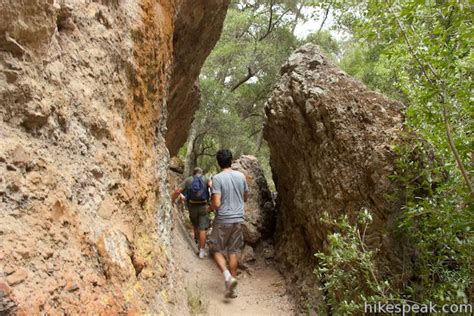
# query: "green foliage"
[346,270]
[238,77]
[420,52]
[424,51]
[328,44]
[429,44]
[438,223]
[370,65]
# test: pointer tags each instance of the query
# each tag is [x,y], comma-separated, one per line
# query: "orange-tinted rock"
[107,208]
[71,286]
[115,256]
[8,305]
[84,88]
[17,277]
[19,157]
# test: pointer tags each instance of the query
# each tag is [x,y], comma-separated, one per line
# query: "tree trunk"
[297,17]
[190,162]
[193,145]
[259,139]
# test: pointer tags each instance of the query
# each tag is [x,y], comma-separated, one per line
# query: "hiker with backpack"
[229,192]
[195,191]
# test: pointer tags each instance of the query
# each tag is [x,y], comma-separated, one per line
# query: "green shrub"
[346,269]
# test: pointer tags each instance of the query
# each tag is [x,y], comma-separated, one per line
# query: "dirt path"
[262,293]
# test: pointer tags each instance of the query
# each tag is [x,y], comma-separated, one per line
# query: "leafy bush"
[437,221]
[347,269]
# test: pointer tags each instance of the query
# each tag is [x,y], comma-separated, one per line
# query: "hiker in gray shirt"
[229,192]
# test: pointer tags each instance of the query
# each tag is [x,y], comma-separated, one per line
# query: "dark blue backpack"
[198,191]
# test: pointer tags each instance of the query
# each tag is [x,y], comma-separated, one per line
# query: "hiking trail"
[261,291]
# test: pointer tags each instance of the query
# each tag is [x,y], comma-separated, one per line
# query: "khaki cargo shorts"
[226,238]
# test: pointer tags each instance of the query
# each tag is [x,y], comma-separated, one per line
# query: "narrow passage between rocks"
[261,290]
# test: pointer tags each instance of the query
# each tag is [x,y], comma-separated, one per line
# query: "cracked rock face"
[85,217]
[331,141]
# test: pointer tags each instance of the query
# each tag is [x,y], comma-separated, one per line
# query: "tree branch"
[250,74]
[325,16]
[452,146]
[270,23]
[274,25]
[252,114]
[412,50]
[255,132]
[203,152]
[443,99]
[297,17]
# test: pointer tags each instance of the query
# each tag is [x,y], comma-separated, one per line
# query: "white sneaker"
[230,286]
[202,254]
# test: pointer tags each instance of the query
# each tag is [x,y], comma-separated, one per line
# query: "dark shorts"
[199,216]
[226,238]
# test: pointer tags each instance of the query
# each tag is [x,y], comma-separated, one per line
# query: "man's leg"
[203,225]
[216,247]
[235,242]
[202,239]
[233,263]
[219,259]
[196,233]
[194,218]
[230,280]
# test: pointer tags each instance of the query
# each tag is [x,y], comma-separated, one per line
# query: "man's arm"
[216,195]
[246,196]
[209,187]
[175,194]
[215,201]
[179,190]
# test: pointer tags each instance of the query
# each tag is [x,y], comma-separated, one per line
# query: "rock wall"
[259,210]
[331,142]
[197,30]
[260,220]
[85,215]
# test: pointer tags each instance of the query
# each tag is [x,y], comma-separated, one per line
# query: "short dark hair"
[224,158]
[197,170]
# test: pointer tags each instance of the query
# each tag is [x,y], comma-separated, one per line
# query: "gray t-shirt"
[231,185]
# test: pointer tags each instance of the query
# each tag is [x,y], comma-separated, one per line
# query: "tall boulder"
[332,150]
[197,29]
